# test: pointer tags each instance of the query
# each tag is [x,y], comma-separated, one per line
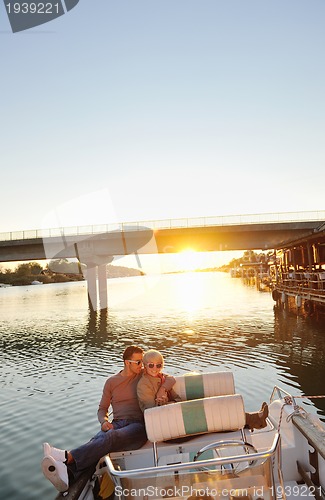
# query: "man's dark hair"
[127,354]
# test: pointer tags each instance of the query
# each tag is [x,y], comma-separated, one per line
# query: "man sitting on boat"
[151,391]
[125,432]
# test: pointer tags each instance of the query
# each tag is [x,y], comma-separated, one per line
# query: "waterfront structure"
[298,274]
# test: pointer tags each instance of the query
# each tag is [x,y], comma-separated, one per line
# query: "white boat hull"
[289,463]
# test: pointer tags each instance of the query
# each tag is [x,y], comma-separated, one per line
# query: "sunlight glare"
[190,292]
[189,259]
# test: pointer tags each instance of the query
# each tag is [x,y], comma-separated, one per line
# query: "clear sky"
[174,108]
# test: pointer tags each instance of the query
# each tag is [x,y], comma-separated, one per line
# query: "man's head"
[132,358]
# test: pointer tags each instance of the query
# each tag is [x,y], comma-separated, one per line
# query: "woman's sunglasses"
[152,365]
[136,362]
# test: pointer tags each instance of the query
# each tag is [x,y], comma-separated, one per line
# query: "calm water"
[55,356]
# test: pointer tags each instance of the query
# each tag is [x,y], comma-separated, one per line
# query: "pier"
[298,274]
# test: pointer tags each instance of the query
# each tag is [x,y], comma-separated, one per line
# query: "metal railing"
[312,280]
[194,465]
[221,220]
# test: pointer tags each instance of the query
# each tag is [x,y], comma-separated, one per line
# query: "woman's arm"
[146,394]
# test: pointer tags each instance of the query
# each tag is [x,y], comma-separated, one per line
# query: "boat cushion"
[204,385]
[186,418]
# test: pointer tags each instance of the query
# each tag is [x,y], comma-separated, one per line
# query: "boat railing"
[279,393]
[210,462]
[215,470]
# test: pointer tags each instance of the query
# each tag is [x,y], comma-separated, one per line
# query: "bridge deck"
[224,233]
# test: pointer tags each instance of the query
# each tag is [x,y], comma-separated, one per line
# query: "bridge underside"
[226,238]
[201,239]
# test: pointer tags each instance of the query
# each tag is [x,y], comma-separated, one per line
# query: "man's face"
[135,363]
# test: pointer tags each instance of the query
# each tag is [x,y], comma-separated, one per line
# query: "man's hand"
[107,426]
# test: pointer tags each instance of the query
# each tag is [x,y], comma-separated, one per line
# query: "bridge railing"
[222,220]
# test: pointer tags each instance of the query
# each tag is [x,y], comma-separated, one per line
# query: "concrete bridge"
[97,245]
[222,233]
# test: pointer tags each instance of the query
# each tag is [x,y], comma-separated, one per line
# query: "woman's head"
[153,362]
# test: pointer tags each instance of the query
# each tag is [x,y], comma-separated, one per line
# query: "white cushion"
[186,418]
[204,385]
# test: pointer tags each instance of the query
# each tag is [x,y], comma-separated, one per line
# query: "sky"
[135,110]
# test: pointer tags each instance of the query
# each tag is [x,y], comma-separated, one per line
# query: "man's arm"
[169,382]
[104,404]
[161,395]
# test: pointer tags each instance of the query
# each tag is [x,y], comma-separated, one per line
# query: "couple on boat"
[139,385]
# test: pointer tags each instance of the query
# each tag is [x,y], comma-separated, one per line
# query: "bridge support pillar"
[96,276]
[102,286]
[92,287]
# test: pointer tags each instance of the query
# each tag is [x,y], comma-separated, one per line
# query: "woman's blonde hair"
[152,355]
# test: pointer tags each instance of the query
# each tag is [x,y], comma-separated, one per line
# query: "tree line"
[57,271]
[249,257]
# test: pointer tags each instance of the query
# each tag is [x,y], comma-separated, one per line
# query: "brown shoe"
[257,420]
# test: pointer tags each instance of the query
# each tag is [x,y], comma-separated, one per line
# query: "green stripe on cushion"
[194,387]
[194,417]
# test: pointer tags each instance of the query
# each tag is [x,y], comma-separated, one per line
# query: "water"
[55,356]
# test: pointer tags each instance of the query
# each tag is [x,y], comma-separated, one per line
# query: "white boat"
[199,448]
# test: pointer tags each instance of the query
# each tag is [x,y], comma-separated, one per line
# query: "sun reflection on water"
[193,294]
[190,293]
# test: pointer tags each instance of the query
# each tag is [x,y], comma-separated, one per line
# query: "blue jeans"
[126,435]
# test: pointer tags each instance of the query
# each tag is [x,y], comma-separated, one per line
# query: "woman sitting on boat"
[153,378]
